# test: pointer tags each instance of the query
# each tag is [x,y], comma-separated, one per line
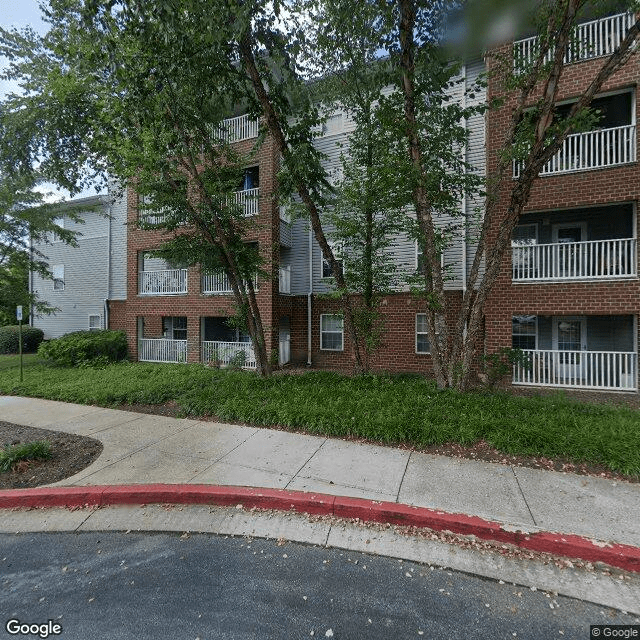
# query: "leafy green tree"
[24,218]
[139,92]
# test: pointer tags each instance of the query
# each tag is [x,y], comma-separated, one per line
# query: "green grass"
[387,409]
[11,361]
[28,451]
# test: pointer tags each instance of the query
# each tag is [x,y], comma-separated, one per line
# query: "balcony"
[162,350]
[592,39]
[284,279]
[163,282]
[224,354]
[591,150]
[218,283]
[591,260]
[238,129]
[611,370]
[248,199]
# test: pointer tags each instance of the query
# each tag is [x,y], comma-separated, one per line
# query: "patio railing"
[163,282]
[575,260]
[223,354]
[591,150]
[615,370]
[162,350]
[240,128]
[590,40]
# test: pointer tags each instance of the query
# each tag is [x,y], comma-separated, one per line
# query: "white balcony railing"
[164,282]
[240,128]
[223,354]
[219,283]
[591,40]
[575,260]
[284,279]
[162,350]
[151,219]
[591,150]
[615,370]
[249,199]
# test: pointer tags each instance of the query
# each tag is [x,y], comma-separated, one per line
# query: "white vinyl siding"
[331,332]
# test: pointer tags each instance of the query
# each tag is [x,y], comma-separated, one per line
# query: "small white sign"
[19,312]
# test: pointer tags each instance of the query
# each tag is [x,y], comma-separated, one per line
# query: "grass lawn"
[387,409]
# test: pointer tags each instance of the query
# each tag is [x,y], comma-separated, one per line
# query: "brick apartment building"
[568,295]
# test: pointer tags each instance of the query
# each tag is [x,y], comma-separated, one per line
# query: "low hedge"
[85,348]
[10,340]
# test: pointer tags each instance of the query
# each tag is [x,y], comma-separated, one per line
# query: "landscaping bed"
[69,455]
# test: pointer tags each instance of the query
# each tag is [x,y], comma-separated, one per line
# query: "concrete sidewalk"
[148,449]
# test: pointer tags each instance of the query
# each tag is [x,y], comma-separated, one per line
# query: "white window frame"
[169,329]
[337,249]
[95,328]
[422,333]
[57,271]
[323,331]
[535,334]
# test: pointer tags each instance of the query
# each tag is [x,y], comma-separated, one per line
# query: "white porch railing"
[240,128]
[249,199]
[591,150]
[284,278]
[225,353]
[575,260]
[615,370]
[164,282]
[219,283]
[162,350]
[151,219]
[591,40]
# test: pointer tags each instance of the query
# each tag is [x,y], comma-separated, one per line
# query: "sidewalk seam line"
[306,462]
[515,475]
[404,473]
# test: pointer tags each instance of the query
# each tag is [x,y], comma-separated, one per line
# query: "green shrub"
[86,348]
[9,339]
[39,450]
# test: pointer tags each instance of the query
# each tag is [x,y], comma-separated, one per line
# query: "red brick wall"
[597,187]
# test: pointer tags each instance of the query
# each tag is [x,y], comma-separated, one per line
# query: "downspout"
[31,305]
[309,296]
[464,194]
[106,302]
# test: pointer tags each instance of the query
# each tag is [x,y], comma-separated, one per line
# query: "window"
[95,322]
[524,330]
[174,328]
[331,332]
[251,179]
[332,125]
[422,339]
[58,277]
[337,250]
[524,235]
[419,259]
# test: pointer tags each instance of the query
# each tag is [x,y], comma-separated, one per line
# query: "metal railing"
[615,370]
[239,128]
[224,354]
[284,279]
[249,199]
[590,40]
[162,350]
[219,283]
[575,260]
[163,282]
[590,150]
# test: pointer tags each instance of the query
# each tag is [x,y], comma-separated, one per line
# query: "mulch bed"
[69,455]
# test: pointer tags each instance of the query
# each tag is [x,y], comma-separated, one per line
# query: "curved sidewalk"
[148,458]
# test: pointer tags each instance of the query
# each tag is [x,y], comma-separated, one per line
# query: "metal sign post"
[19,317]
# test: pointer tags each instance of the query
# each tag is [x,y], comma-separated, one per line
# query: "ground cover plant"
[395,410]
[11,456]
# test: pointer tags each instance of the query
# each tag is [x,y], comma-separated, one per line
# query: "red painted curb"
[572,546]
